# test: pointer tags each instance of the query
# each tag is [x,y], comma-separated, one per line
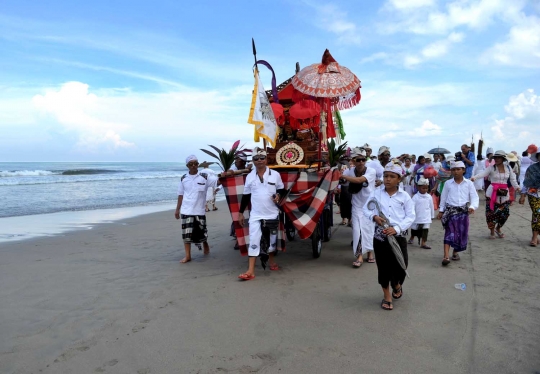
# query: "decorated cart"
[295,121]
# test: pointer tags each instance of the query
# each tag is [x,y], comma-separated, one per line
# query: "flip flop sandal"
[445,261]
[274,267]
[357,264]
[426,247]
[410,242]
[499,234]
[246,277]
[492,236]
[394,291]
[387,303]
[455,258]
[371,260]
[533,244]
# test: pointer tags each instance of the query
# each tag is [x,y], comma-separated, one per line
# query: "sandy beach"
[114,299]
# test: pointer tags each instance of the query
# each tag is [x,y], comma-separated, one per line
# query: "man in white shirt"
[436,162]
[191,206]
[361,176]
[459,199]
[374,164]
[263,189]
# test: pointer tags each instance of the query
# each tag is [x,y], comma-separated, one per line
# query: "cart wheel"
[316,242]
[327,226]
[291,233]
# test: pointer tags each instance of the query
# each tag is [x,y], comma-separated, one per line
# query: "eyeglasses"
[360,160]
[257,158]
[193,164]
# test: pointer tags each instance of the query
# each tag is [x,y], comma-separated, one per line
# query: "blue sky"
[155,81]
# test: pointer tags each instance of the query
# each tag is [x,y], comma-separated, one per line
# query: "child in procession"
[425,212]
[459,199]
[398,209]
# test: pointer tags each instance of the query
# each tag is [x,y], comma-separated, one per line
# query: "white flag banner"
[261,114]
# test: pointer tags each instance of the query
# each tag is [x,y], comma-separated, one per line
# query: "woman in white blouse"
[498,194]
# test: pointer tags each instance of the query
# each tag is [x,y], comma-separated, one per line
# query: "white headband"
[394,168]
[458,164]
[191,158]
[423,182]
[259,151]
[384,149]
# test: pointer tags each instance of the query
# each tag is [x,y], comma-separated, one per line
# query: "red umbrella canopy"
[328,80]
[278,113]
[305,109]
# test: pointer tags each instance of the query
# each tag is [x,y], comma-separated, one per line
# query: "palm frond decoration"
[335,153]
[226,158]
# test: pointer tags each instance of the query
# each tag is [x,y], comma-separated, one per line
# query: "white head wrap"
[357,151]
[458,164]
[394,167]
[366,146]
[489,150]
[423,182]
[242,156]
[259,151]
[427,155]
[384,149]
[191,158]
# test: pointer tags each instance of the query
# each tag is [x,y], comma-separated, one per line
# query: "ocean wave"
[26,173]
[89,171]
[8,182]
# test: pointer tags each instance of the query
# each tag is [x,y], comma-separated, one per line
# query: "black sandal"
[394,292]
[388,303]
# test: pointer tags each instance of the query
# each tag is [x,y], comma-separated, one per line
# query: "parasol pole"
[257,71]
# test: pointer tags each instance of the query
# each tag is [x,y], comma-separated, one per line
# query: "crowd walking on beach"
[389,203]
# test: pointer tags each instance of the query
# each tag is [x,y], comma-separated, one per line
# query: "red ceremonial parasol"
[278,113]
[334,87]
[305,111]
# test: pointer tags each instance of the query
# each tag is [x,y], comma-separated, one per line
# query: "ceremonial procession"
[280,187]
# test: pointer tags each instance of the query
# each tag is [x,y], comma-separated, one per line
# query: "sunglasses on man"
[359,160]
[257,158]
[192,164]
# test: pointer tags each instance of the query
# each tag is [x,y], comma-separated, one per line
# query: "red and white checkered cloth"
[303,205]
[234,190]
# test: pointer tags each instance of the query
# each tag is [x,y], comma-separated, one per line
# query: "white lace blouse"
[495,176]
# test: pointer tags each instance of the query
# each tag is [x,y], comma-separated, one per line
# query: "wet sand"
[114,299]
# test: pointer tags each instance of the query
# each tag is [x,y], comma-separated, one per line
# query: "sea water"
[42,188]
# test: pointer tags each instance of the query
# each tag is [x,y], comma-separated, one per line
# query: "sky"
[156,81]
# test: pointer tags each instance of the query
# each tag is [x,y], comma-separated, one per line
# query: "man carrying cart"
[263,189]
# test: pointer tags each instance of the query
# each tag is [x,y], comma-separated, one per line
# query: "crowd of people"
[385,200]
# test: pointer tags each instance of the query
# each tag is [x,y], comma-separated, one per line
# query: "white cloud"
[409,4]
[523,118]
[526,105]
[428,128]
[472,14]
[333,19]
[72,105]
[375,57]
[521,47]
[434,50]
